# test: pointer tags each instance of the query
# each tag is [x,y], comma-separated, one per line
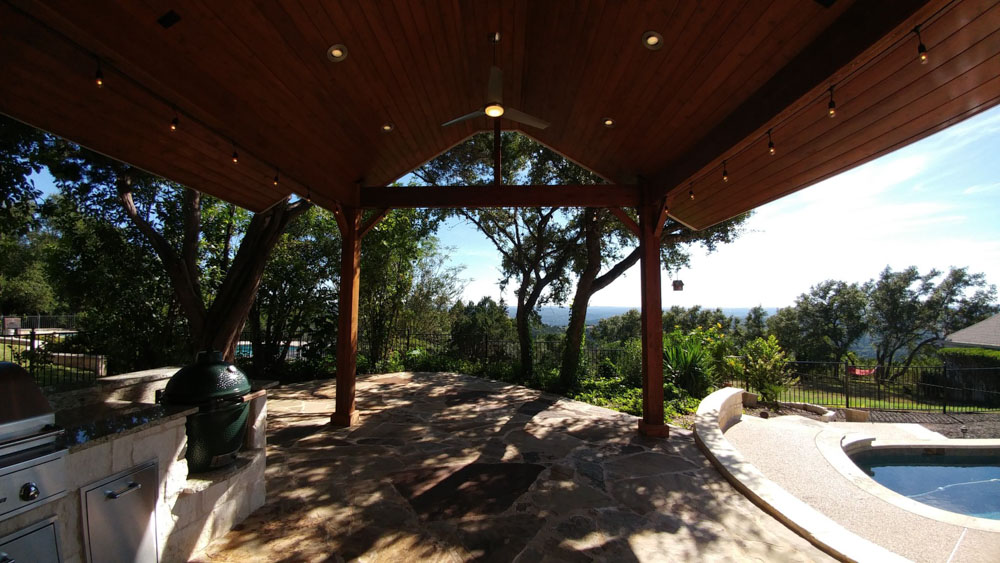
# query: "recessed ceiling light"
[608,122]
[652,40]
[387,127]
[336,53]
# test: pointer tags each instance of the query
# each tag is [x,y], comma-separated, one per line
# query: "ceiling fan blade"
[495,89]
[466,117]
[521,117]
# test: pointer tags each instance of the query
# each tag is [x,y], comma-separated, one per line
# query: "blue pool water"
[963,483]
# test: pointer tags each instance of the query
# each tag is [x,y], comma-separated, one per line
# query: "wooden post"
[349,220]
[650,225]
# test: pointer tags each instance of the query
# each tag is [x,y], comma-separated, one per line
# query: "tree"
[19,146]
[23,285]
[828,320]
[689,319]
[606,260]
[169,218]
[389,261]
[754,325]
[535,245]
[907,310]
[618,328]
[473,326]
[298,290]
[542,247]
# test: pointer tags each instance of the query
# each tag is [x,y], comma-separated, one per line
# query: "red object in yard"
[860,372]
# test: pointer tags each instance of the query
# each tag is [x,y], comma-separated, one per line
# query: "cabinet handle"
[133,486]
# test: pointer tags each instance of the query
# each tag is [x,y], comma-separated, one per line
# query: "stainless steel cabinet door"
[121,517]
[35,543]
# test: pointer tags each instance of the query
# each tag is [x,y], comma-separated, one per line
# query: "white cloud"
[981,188]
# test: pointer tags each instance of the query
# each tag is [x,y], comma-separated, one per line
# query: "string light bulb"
[236,155]
[725,172]
[921,48]
[831,108]
[276,174]
[691,190]
[175,122]
[770,143]
[99,76]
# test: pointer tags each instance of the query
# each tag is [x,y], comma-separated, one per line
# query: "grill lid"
[210,377]
[24,410]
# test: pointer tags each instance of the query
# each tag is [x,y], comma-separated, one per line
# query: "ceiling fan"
[494,101]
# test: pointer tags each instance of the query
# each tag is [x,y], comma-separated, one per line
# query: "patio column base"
[653,430]
[349,419]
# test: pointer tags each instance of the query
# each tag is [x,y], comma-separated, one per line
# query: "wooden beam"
[651,423]
[585,195]
[629,223]
[372,222]
[347,322]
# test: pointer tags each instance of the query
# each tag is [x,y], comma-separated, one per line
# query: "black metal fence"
[921,388]
[28,322]
[546,353]
[51,357]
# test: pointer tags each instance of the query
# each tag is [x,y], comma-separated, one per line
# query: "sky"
[932,204]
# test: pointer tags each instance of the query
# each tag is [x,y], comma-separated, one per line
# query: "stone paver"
[446,467]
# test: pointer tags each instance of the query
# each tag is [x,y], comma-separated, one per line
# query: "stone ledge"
[722,409]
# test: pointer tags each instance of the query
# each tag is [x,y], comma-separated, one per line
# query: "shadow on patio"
[451,467]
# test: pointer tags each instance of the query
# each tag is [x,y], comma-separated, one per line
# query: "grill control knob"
[29,492]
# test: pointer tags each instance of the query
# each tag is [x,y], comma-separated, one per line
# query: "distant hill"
[559,316]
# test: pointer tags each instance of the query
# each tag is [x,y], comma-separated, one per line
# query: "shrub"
[688,359]
[765,367]
[689,366]
[970,357]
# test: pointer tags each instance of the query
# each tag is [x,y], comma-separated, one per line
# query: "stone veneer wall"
[190,513]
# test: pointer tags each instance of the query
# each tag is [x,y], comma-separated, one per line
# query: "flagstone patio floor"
[447,467]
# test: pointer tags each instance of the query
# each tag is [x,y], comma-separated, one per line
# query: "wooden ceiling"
[254,77]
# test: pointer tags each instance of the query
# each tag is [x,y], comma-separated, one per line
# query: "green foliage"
[970,357]
[473,326]
[691,359]
[824,323]
[908,310]
[618,328]
[765,368]
[690,319]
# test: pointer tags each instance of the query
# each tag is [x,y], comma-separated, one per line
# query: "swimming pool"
[967,483]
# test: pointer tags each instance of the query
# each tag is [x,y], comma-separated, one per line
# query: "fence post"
[847,386]
[32,368]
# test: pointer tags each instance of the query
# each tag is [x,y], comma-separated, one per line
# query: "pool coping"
[836,446]
[718,412]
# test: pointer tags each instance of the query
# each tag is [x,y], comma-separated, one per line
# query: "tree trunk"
[569,371]
[522,320]
[217,327]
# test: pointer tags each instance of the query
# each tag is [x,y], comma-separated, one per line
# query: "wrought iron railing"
[914,388]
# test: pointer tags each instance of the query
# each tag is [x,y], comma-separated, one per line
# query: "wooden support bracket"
[629,223]
[373,221]
[661,218]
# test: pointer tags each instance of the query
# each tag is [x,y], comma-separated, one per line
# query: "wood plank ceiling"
[254,77]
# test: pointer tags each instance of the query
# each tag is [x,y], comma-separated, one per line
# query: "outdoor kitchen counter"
[95,424]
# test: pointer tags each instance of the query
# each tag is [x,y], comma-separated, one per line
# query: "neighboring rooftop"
[984,334]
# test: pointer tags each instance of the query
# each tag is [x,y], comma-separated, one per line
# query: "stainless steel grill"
[32,464]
